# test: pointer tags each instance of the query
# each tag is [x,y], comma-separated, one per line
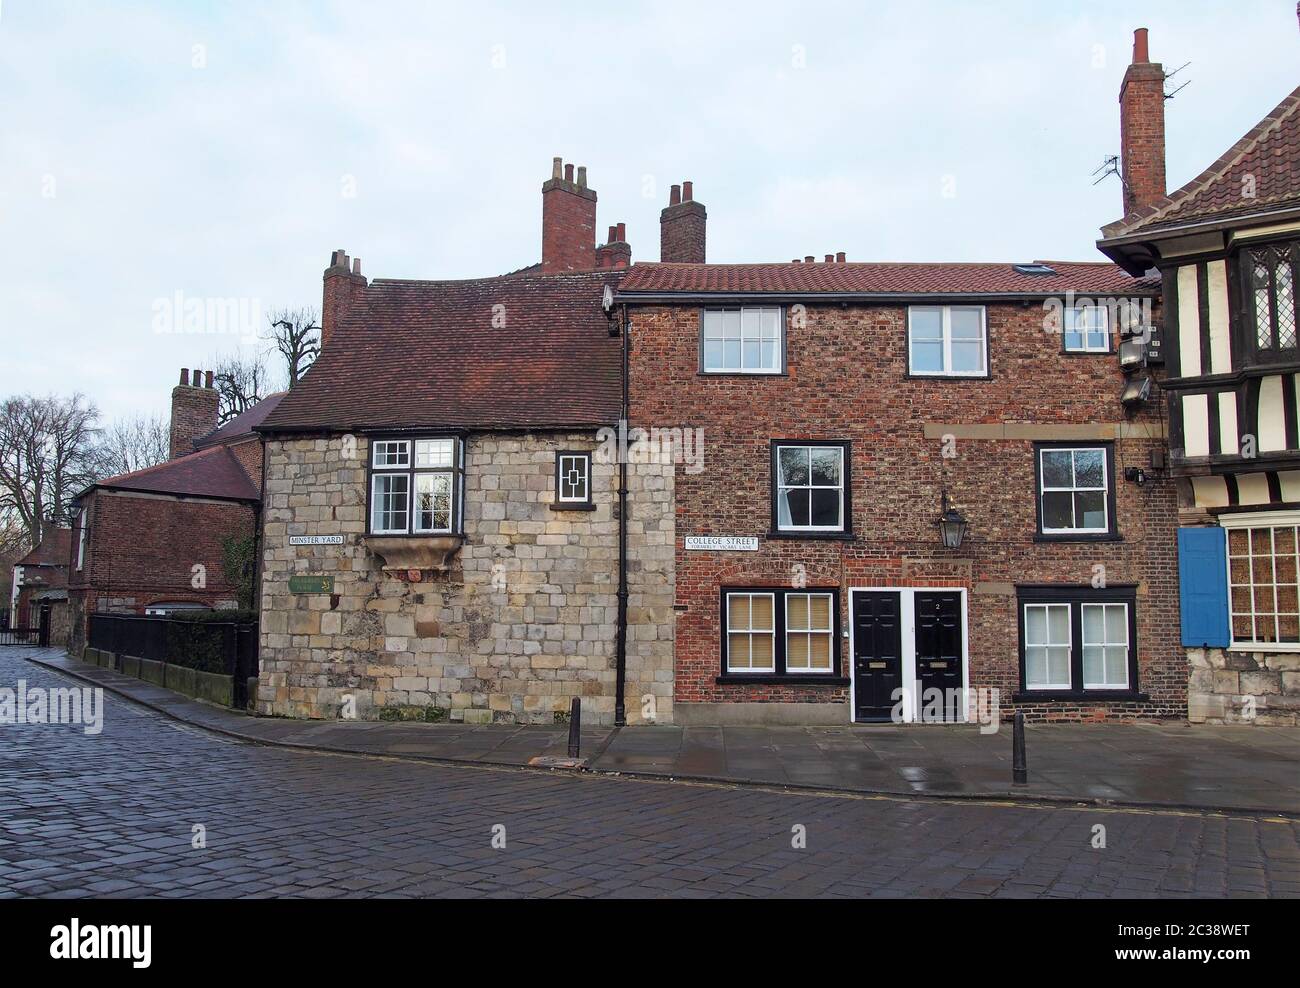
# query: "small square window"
[1085,329]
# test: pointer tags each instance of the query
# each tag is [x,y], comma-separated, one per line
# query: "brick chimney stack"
[1142,128]
[616,252]
[345,289]
[681,227]
[194,411]
[568,221]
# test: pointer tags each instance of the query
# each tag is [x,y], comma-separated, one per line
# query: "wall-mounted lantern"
[952,525]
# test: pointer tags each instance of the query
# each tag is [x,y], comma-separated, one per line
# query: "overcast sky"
[221,150]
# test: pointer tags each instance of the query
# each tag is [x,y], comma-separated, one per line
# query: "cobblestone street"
[115,814]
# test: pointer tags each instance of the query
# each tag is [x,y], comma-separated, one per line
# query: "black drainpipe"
[620,707]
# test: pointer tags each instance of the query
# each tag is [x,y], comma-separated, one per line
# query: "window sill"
[731,373]
[398,553]
[1080,537]
[572,506]
[760,678]
[831,536]
[1263,647]
[1078,696]
[910,376]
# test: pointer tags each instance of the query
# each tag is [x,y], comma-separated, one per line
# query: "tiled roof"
[1265,162]
[514,351]
[899,279]
[53,550]
[242,424]
[210,472]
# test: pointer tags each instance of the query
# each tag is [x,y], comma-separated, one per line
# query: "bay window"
[415,486]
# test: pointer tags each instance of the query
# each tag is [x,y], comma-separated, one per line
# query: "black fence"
[40,635]
[227,648]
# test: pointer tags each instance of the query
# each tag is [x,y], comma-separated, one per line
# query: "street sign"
[315,539]
[311,584]
[723,543]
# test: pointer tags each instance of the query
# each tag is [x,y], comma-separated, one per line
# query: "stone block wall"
[524,621]
[1228,687]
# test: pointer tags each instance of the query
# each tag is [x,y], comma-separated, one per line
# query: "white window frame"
[708,314]
[1086,348]
[828,633]
[1068,685]
[585,460]
[401,459]
[81,541]
[1043,489]
[728,631]
[1270,520]
[1105,643]
[779,488]
[946,338]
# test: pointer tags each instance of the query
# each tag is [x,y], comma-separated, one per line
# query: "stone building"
[1227,248]
[442,514]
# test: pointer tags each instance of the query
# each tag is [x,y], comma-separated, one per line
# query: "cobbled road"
[115,815]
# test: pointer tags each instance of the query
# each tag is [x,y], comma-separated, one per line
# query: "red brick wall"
[249,455]
[141,550]
[847,380]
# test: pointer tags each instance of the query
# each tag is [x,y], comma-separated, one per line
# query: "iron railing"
[228,648]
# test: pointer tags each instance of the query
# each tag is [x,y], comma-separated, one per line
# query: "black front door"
[938,654]
[877,655]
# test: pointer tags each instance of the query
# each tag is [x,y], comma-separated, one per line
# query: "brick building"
[442,533]
[40,583]
[1227,248]
[841,408]
[156,540]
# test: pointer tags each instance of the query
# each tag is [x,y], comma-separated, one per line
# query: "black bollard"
[575,727]
[1019,767]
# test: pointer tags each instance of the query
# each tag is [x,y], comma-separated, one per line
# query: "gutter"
[676,298]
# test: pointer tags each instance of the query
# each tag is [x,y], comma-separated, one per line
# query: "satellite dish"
[607,300]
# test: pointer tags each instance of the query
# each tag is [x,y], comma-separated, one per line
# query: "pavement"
[155,807]
[1232,768]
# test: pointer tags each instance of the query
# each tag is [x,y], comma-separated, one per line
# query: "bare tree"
[242,381]
[49,453]
[295,335]
[133,444]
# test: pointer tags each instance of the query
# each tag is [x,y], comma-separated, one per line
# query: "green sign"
[311,584]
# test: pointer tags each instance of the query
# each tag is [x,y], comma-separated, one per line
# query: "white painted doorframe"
[907,631]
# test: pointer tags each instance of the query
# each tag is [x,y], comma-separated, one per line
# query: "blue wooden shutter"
[1203,586]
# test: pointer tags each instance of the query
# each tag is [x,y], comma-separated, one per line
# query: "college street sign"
[723,543]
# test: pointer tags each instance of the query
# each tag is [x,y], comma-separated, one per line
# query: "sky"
[159,159]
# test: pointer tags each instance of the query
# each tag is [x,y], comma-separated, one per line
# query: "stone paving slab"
[1239,768]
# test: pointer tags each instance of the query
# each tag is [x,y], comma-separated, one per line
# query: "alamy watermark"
[82,705]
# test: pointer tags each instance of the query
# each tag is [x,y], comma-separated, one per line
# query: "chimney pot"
[557,168]
[808,259]
[839,258]
[1140,51]
[207,379]
[675,195]
[688,193]
[568,173]
[185,376]
[795,261]
[830,258]
[356,265]
[613,234]
[582,176]
[622,233]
